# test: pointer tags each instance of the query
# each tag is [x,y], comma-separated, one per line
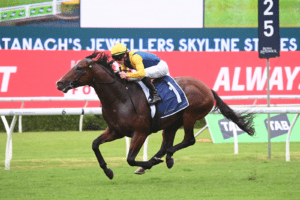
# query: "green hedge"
[64,123]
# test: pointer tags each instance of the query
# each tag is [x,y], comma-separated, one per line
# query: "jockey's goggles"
[118,57]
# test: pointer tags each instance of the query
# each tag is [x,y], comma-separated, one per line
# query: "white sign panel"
[141,14]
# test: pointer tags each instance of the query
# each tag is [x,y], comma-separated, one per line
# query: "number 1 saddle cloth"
[173,98]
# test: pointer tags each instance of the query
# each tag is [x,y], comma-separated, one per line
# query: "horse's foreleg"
[137,142]
[106,136]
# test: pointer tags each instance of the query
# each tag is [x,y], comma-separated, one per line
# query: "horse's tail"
[244,122]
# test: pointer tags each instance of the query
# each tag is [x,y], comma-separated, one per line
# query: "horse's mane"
[102,59]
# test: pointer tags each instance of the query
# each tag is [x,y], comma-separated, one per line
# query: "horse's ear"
[90,61]
[98,56]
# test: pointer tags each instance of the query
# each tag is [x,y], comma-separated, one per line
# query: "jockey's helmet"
[118,49]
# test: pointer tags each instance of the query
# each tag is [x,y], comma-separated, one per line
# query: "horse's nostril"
[58,83]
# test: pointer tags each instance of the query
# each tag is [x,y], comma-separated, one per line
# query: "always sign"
[34,74]
[282,78]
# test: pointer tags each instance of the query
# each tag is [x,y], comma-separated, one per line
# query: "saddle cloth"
[173,98]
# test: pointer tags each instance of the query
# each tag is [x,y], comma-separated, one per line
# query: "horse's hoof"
[170,163]
[140,171]
[157,161]
[109,173]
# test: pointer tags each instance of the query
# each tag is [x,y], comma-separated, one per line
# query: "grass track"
[61,165]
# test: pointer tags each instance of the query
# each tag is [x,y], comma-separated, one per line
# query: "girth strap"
[130,96]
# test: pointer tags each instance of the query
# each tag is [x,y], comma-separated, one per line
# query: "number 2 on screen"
[268,24]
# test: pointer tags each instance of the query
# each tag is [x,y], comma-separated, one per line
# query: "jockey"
[147,65]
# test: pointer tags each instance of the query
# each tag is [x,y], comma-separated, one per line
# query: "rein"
[130,96]
[72,83]
[106,71]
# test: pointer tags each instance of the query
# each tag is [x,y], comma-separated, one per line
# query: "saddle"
[173,100]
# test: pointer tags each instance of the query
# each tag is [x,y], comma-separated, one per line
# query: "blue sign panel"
[268,28]
[158,40]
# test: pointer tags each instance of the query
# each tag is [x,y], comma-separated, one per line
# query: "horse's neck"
[110,93]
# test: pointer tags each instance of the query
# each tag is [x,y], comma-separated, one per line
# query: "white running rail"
[36,111]
[81,111]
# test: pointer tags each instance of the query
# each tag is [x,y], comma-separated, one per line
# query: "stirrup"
[154,100]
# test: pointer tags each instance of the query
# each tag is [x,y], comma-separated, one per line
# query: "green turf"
[62,165]
[244,13]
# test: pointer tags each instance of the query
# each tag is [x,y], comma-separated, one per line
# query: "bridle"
[73,83]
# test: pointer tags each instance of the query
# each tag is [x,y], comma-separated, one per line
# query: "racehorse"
[127,113]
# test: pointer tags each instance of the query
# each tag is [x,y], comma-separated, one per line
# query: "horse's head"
[82,73]
[79,75]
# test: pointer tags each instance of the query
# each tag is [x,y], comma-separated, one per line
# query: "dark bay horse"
[126,111]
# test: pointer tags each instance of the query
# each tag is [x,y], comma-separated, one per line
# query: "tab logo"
[279,125]
[6,70]
[227,128]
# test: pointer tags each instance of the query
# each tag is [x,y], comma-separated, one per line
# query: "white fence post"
[81,118]
[236,143]
[127,145]
[8,152]
[20,120]
[145,153]
[287,146]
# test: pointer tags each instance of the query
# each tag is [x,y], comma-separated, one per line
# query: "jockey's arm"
[137,62]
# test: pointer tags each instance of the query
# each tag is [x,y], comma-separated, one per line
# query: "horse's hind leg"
[137,142]
[189,139]
[168,140]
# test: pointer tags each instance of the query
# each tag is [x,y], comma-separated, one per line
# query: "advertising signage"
[222,129]
[33,59]
[153,40]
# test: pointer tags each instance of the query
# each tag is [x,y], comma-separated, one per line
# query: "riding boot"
[155,97]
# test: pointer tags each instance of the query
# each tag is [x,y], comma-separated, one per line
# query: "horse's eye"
[78,68]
